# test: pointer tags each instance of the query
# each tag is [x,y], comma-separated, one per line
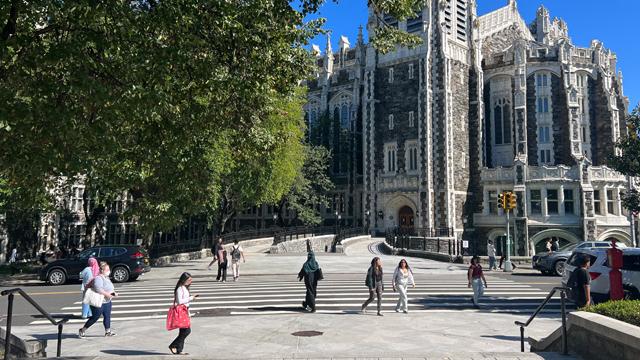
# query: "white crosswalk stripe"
[336,295]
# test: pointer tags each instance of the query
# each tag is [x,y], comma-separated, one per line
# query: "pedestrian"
[402,277]
[13,259]
[476,280]
[223,266]
[214,251]
[237,253]
[580,283]
[311,273]
[374,282]
[181,296]
[549,246]
[491,253]
[102,285]
[89,273]
[555,245]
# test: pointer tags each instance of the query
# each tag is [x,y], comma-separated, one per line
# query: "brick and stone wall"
[532,123]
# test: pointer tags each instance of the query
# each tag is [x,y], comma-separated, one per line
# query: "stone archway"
[392,210]
[620,235]
[539,240]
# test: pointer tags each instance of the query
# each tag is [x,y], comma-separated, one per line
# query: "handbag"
[92,298]
[178,317]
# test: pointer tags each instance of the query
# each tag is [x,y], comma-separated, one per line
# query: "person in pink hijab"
[87,275]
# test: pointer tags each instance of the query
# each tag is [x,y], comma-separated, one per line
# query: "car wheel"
[120,274]
[559,267]
[631,293]
[57,277]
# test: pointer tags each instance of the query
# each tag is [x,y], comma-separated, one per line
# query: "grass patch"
[623,310]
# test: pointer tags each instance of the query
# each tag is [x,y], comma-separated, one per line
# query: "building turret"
[543,25]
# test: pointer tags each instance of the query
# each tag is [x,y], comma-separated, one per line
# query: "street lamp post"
[368,221]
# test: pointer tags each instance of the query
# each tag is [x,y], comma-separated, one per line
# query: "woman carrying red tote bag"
[178,316]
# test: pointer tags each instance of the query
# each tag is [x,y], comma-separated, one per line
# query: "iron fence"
[301,232]
[426,241]
[250,234]
[347,233]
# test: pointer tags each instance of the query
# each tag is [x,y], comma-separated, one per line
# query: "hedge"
[623,310]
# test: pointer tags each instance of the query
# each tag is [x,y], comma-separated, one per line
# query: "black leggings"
[178,343]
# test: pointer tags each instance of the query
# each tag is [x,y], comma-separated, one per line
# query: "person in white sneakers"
[402,277]
[237,253]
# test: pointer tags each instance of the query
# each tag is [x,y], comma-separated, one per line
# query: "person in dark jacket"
[375,284]
[311,273]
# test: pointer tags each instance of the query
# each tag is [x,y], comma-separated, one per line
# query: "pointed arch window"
[344,116]
[502,122]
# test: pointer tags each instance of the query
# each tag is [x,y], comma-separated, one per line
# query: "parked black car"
[127,262]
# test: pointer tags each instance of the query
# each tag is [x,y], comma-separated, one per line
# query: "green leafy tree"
[163,99]
[311,188]
[628,162]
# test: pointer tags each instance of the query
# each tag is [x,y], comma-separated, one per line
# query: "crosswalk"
[337,294]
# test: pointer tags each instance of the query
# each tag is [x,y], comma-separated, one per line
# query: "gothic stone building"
[427,137]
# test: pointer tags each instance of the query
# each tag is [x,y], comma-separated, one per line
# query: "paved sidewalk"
[437,334]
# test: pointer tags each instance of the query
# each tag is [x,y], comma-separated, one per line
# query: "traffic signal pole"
[508,267]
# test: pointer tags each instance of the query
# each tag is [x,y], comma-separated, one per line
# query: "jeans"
[178,343]
[403,301]
[478,289]
[96,312]
[492,263]
[377,291]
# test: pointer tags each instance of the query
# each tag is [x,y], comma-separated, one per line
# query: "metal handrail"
[563,297]
[7,340]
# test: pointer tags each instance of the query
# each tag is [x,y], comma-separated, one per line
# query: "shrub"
[623,310]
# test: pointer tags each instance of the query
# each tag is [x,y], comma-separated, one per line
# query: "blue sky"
[614,22]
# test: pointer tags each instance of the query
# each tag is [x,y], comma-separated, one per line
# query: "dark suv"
[127,263]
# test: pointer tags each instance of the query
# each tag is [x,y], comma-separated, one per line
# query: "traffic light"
[511,200]
[502,203]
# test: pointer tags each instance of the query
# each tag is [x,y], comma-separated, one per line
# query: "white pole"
[507,265]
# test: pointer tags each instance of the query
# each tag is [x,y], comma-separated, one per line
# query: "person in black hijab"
[311,273]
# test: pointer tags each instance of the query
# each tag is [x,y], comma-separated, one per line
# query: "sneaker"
[405,311]
[363,310]
[209,268]
[110,333]
[81,334]
[397,310]
[380,314]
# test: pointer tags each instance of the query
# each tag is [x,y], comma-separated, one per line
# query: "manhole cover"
[307,333]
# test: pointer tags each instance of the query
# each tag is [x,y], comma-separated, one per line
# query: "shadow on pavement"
[502,337]
[132,352]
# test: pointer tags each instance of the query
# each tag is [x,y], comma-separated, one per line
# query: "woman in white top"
[401,279]
[182,297]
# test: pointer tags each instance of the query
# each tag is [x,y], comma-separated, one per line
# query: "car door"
[106,254]
[78,263]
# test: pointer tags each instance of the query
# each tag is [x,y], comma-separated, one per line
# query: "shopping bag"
[92,298]
[178,317]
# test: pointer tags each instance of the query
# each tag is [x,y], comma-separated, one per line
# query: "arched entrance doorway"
[405,218]
[563,237]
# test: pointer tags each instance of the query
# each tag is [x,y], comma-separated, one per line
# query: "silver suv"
[599,272]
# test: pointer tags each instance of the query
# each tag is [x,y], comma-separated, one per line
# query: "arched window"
[502,122]
[344,116]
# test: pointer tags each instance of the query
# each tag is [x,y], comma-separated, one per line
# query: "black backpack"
[235,253]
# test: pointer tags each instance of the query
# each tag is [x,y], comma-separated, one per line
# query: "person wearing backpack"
[236,254]
[580,283]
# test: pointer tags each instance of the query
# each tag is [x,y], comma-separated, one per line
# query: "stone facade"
[495,106]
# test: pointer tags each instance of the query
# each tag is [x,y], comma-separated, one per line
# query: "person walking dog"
[476,280]
[374,282]
[311,273]
[89,273]
[181,296]
[236,254]
[402,277]
[101,289]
